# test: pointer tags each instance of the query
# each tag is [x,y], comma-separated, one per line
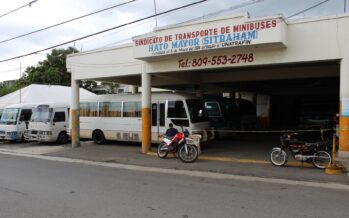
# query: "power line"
[15,69]
[6,71]
[307,9]
[103,31]
[234,7]
[67,21]
[248,3]
[29,4]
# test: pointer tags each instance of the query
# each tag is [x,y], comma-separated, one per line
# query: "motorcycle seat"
[312,144]
[168,137]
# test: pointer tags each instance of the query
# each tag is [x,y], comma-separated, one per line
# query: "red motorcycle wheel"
[162,150]
[190,155]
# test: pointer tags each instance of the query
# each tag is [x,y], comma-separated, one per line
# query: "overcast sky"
[45,13]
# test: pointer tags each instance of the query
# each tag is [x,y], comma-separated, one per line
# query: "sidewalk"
[218,157]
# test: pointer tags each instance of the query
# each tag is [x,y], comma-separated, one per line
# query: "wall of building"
[310,40]
[307,40]
[104,63]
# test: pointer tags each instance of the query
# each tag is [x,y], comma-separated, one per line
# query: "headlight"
[45,133]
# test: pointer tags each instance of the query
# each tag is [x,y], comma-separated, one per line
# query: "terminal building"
[294,68]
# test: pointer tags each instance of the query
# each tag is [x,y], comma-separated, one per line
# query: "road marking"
[209,175]
[237,160]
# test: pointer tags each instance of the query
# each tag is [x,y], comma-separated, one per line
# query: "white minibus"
[14,121]
[49,123]
[118,117]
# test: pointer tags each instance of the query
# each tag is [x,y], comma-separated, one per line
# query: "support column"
[146,115]
[344,118]
[75,114]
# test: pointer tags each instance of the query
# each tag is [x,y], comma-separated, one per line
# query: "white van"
[49,123]
[14,121]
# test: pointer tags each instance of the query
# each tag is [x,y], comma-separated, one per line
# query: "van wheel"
[62,138]
[98,137]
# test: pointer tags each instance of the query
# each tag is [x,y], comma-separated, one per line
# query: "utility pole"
[20,87]
[345,6]
[156,19]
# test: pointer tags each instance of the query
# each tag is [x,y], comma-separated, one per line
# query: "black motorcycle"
[316,153]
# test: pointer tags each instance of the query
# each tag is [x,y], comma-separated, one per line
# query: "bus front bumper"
[31,135]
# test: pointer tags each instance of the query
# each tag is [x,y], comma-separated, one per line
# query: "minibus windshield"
[41,114]
[9,116]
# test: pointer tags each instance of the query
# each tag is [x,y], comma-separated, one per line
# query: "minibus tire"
[62,138]
[98,137]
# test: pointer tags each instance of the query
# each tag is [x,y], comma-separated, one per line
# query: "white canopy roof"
[41,94]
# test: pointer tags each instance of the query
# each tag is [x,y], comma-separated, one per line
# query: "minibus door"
[158,119]
[59,122]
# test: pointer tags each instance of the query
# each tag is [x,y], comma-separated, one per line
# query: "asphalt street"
[31,187]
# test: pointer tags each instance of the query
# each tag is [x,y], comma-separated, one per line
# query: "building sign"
[216,60]
[216,34]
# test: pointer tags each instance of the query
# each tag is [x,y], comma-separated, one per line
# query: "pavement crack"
[14,191]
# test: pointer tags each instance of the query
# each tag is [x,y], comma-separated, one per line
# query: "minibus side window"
[154,114]
[88,109]
[25,114]
[162,114]
[132,109]
[110,109]
[59,117]
[176,109]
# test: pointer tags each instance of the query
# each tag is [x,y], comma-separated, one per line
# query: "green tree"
[52,70]
[4,90]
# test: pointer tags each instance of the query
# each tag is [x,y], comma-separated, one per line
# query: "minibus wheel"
[62,138]
[98,137]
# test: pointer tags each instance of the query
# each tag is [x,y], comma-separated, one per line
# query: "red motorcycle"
[181,144]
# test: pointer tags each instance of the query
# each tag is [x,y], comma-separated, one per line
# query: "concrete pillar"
[344,119]
[146,112]
[75,114]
